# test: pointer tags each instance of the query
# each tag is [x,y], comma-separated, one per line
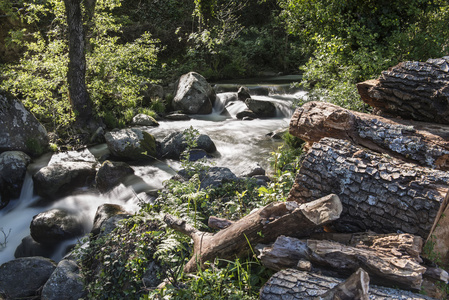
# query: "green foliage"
[352,41]
[114,70]
[114,265]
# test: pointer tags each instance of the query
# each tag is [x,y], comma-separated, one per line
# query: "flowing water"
[240,145]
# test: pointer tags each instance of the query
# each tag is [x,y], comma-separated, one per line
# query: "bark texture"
[378,192]
[422,143]
[262,226]
[354,288]
[293,284]
[76,76]
[412,90]
[383,267]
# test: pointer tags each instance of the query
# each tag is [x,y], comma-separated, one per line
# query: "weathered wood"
[294,284]
[378,192]
[402,245]
[423,143]
[438,239]
[412,90]
[383,268]
[354,288]
[218,223]
[262,226]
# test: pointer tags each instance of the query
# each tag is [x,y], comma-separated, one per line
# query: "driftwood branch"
[378,193]
[262,226]
[422,143]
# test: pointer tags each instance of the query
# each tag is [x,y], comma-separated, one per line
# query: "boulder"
[151,92]
[212,177]
[13,168]
[194,95]
[65,283]
[111,174]
[29,247]
[61,179]
[19,129]
[23,277]
[54,226]
[174,144]
[105,212]
[144,120]
[263,109]
[253,170]
[243,93]
[131,144]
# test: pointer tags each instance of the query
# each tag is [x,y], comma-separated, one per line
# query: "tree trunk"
[76,76]
[422,143]
[378,192]
[383,267]
[354,288]
[262,226]
[293,284]
[412,90]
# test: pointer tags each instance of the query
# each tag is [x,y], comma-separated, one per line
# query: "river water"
[240,145]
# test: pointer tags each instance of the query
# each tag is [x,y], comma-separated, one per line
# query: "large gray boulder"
[174,144]
[144,120]
[211,177]
[65,283]
[61,179]
[13,168]
[54,226]
[24,277]
[29,247]
[263,109]
[131,144]
[19,129]
[194,95]
[111,174]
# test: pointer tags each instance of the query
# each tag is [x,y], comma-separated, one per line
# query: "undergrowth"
[144,259]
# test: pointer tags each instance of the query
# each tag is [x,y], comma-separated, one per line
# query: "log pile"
[382,186]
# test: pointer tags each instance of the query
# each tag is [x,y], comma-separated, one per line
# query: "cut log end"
[323,210]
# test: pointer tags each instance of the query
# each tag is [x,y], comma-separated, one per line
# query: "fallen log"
[354,288]
[262,226]
[295,285]
[412,90]
[402,245]
[383,268]
[423,143]
[378,193]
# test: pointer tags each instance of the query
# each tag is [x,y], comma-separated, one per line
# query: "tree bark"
[262,226]
[378,193]
[422,143]
[354,288]
[293,284]
[76,76]
[412,90]
[383,267]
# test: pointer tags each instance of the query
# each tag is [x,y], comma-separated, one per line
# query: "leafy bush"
[114,70]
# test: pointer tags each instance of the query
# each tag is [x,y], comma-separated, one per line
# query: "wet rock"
[212,177]
[246,115]
[194,95]
[178,117]
[62,179]
[111,174]
[29,247]
[197,154]
[144,120]
[19,129]
[65,283]
[253,170]
[110,224]
[243,93]
[131,144]
[263,109]
[54,226]
[174,144]
[84,155]
[105,212]
[13,168]
[23,277]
